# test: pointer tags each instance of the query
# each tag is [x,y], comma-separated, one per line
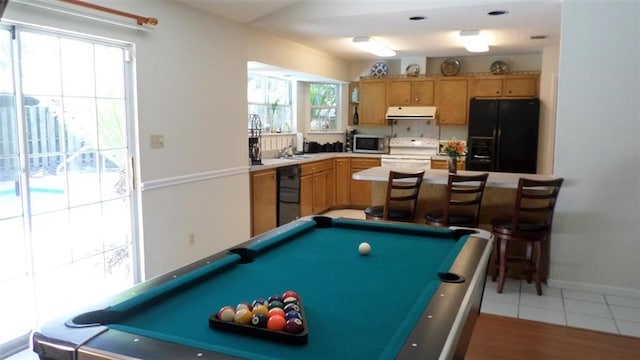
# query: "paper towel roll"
[299,142]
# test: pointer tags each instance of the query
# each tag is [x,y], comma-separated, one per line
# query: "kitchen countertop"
[433,176]
[305,158]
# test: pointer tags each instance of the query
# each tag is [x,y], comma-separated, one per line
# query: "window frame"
[283,112]
[337,108]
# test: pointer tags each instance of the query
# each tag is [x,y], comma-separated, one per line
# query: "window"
[324,106]
[270,98]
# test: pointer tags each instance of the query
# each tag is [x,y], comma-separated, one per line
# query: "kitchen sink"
[297,157]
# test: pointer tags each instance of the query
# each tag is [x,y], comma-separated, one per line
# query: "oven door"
[406,162]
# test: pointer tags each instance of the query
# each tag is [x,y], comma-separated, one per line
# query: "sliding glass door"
[66,200]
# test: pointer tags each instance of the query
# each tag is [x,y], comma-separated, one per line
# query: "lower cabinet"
[316,187]
[263,201]
[342,174]
[444,164]
[360,194]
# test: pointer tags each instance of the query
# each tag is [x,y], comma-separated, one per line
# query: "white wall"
[595,238]
[192,87]
[191,81]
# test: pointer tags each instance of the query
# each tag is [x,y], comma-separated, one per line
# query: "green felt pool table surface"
[355,306]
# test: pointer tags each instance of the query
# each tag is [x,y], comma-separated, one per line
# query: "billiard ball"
[260,309]
[242,316]
[364,248]
[276,323]
[243,305]
[259,320]
[289,307]
[294,326]
[292,315]
[290,300]
[276,304]
[290,293]
[226,314]
[276,311]
[273,298]
[259,301]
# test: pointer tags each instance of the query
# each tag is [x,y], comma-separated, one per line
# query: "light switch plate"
[157,141]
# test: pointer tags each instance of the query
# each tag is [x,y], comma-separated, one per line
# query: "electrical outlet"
[157,141]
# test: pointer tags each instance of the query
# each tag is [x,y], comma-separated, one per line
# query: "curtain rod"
[141,20]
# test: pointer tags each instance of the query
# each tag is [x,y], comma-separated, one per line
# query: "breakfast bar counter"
[434,176]
[498,199]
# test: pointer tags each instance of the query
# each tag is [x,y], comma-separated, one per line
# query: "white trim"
[603,289]
[185,179]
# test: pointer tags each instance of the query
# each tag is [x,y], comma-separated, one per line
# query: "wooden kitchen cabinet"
[411,92]
[342,175]
[373,102]
[360,196]
[263,201]
[505,87]
[316,187]
[452,100]
[444,164]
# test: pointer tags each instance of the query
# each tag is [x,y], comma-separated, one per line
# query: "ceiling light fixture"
[375,47]
[473,41]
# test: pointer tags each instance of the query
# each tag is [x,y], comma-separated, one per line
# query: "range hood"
[411,113]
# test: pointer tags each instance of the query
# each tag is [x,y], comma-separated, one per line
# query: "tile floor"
[588,310]
[581,309]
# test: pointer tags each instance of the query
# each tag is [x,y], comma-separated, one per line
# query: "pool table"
[416,295]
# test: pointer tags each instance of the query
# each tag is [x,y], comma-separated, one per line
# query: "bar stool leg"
[496,257]
[503,266]
[536,275]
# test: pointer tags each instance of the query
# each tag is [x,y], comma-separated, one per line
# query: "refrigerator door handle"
[497,147]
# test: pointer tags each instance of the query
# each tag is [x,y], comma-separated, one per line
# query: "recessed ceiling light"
[497,12]
[417,18]
[538,37]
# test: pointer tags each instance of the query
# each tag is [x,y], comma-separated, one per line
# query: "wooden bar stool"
[462,202]
[401,199]
[530,222]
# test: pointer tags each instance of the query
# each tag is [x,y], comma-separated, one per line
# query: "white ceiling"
[330,25]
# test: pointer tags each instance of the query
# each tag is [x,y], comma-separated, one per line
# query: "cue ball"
[364,248]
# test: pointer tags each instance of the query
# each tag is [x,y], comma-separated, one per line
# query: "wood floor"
[498,337]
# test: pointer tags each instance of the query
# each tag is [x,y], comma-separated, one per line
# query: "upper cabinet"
[411,92]
[450,94]
[506,86]
[373,102]
[452,100]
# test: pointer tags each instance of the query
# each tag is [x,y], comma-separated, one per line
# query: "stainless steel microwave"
[373,144]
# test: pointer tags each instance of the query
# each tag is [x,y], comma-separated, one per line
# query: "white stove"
[410,153]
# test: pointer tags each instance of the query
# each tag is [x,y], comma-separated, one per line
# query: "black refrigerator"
[503,135]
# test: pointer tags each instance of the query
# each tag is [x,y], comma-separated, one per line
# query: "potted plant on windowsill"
[454,149]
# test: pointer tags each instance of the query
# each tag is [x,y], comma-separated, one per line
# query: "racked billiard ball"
[243,305]
[292,315]
[276,304]
[259,301]
[259,320]
[289,307]
[290,293]
[276,297]
[260,309]
[276,311]
[242,316]
[226,314]
[294,326]
[290,300]
[276,323]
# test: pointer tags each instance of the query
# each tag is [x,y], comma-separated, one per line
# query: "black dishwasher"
[288,193]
